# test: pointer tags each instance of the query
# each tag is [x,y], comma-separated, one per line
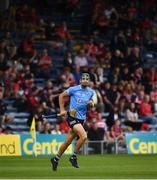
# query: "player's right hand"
[63,113]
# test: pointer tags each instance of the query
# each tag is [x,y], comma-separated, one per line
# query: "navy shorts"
[72,121]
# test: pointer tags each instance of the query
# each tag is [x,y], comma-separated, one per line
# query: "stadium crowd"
[109,48]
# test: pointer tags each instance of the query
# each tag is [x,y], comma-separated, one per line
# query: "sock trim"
[57,157]
[74,154]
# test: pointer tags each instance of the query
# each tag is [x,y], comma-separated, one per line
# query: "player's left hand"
[90,104]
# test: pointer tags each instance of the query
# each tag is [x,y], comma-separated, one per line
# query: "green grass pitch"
[91,166]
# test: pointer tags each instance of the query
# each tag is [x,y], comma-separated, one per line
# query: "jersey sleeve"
[91,94]
[70,91]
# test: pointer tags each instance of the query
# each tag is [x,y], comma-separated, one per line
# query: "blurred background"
[44,47]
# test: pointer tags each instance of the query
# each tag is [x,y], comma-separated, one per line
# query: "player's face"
[85,81]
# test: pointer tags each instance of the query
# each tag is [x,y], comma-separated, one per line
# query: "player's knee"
[84,137]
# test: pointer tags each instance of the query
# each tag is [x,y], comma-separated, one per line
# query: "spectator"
[117,59]
[93,115]
[27,48]
[68,76]
[10,44]
[81,60]
[151,75]
[98,99]
[131,117]
[90,48]
[33,99]
[153,96]
[69,60]
[145,111]
[114,77]
[47,128]
[116,132]
[101,51]
[63,32]
[56,130]
[112,117]
[77,74]
[50,31]
[125,74]
[111,96]
[22,14]
[134,60]
[64,127]
[33,19]
[45,64]
[112,54]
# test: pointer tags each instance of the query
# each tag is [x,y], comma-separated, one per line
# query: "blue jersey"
[79,98]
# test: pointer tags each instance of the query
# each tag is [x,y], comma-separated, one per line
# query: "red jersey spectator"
[45,60]
[33,16]
[91,48]
[153,96]
[27,46]
[146,111]
[132,12]
[101,51]
[98,9]
[45,63]
[102,21]
[64,127]
[68,76]
[32,99]
[93,115]
[116,131]
[63,32]
[145,107]
[152,75]
[145,24]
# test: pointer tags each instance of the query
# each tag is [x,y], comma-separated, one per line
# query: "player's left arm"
[93,100]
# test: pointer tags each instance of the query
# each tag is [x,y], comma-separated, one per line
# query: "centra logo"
[7,149]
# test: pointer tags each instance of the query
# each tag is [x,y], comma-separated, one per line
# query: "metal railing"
[103,147]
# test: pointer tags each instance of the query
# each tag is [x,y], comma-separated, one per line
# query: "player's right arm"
[63,112]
